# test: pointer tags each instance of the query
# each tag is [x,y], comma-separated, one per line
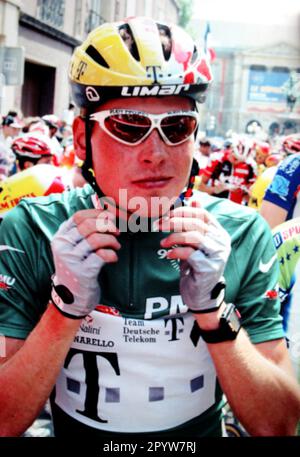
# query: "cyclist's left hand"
[203,247]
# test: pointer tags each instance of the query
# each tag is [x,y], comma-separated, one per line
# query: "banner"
[267,86]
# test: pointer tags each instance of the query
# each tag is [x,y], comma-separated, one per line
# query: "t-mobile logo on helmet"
[2,346]
[153,69]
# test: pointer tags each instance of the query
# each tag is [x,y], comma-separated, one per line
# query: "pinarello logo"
[4,286]
[107,310]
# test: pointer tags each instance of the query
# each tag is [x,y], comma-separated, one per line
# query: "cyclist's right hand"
[219,187]
[81,246]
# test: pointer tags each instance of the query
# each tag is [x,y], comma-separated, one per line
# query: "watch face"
[234,322]
[231,319]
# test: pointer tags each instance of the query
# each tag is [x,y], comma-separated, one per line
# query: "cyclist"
[287,241]
[31,149]
[231,174]
[281,201]
[262,152]
[202,154]
[135,340]
[36,176]
[53,124]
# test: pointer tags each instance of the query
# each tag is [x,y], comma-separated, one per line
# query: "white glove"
[76,290]
[202,284]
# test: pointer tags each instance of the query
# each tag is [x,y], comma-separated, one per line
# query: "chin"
[154,206]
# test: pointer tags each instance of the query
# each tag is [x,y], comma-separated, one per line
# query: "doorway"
[38,89]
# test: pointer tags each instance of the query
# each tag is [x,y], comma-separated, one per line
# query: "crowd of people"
[153,297]
[28,143]
[264,175]
[233,167]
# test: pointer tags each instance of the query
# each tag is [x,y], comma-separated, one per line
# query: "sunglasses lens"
[128,127]
[179,127]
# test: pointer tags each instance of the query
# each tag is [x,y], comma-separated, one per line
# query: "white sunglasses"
[132,127]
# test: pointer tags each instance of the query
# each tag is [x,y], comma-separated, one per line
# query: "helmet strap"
[87,167]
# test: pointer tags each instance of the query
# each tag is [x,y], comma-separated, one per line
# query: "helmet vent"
[127,37]
[96,56]
[166,40]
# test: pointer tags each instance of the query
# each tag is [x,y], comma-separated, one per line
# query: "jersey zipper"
[131,275]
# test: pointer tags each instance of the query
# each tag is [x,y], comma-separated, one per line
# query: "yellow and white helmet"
[137,57]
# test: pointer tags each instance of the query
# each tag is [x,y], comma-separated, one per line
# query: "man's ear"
[79,137]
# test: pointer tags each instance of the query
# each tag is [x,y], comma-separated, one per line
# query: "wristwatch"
[229,327]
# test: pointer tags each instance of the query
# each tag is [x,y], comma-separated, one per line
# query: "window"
[51,12]
[117,10]
[94,17]
[258,68]
[280,70]
[78,16]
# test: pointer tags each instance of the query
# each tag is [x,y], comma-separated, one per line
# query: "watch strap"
[228,329]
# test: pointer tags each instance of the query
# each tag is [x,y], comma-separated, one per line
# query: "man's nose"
[154,149]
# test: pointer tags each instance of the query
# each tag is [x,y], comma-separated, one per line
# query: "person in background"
[53,123]
[262,152]
[202,155]
[68,115]
[36,176]
[32,148]
[7,161]
[230,175]
[286,238]
[11,127]
[281,200]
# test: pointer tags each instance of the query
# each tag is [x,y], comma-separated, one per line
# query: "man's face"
[260,157]
[150,169]
[233,159]
[45,160]
[204,149]
[42,160]
[12,132]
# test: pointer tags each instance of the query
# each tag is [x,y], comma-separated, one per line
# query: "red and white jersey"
[237,177]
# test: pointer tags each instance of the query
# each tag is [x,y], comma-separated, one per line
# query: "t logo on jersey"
[175,330]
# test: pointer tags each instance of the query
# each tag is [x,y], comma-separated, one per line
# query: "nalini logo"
[92,95]
[2,346]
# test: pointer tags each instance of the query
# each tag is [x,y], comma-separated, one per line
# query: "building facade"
[252,86]
[47,31]
[253,71]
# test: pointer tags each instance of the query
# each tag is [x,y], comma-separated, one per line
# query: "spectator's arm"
[272,213]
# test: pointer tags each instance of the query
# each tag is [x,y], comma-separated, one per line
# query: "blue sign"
[266,86]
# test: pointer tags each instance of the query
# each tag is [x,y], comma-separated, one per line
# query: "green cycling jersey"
[141,329]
